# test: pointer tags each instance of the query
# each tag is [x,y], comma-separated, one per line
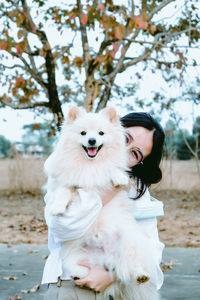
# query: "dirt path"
[22,221]
[181,224]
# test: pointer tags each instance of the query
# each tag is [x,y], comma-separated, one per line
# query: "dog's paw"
[120,179]
[140,274]
[57,210]
[142,279]
[79,272]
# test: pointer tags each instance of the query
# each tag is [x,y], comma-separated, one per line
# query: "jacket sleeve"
[77,218]
[146,207]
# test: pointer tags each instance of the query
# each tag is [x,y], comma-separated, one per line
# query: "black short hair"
[149,172]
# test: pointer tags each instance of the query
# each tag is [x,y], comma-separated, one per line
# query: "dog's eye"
[83,132]
[101,133]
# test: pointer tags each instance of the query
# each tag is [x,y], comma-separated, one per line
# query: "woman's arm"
[76,219]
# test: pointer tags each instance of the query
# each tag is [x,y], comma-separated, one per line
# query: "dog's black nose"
[91,141]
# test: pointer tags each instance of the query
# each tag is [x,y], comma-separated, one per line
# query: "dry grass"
[26,174]
[22,174]
[179,175]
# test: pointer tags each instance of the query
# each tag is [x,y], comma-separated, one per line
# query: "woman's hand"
[98,279]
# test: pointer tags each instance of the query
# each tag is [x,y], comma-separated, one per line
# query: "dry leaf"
[18,50]
[152,28]
[25,291]
[139,21]
[112,54]
[20,33]
[35,288]
[163,268]
[10,278]
[33,251]
[84,19]
[115,47]
[15,298]
[101,6]
[119,31]
[166,265]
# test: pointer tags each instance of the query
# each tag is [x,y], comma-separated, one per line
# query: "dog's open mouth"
[92,151]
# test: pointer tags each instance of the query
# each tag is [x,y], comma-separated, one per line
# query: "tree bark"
[105,95]
[54,102]
[92,88]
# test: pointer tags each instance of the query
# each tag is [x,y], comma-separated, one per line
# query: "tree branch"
[144,5]
[85,44]
[155,44]
[161,44]
[158,8]
[140,58]
[13,67]
[170,35]
[144,56]
[105,95]
[35,74]
[118,67]
[8,102]
[34,65]
[132,8]
[104,44]
[156,60]
[183,135]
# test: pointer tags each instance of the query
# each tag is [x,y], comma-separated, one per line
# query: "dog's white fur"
[115,240]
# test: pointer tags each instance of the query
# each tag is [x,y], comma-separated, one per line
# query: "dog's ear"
[73,114]
[111,114]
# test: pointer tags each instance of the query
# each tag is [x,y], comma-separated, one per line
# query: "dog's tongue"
[92,151]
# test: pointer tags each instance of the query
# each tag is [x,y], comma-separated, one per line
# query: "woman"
[144,139]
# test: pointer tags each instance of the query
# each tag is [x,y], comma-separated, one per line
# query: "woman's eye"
[138,156]
[101,133]
[127,139]
[135,154]
[83,132]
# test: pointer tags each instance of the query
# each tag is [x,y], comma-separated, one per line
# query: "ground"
[22,218]
[180,225]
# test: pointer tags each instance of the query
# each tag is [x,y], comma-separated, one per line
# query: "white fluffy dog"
[91,155]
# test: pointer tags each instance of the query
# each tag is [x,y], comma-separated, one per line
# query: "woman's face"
[139,142]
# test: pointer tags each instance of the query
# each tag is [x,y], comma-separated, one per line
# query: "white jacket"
[81,215]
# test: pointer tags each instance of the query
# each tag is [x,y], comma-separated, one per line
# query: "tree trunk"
[105,95]
[92,88]
[54,102]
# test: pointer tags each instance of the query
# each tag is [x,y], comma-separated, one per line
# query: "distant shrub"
[5,146]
